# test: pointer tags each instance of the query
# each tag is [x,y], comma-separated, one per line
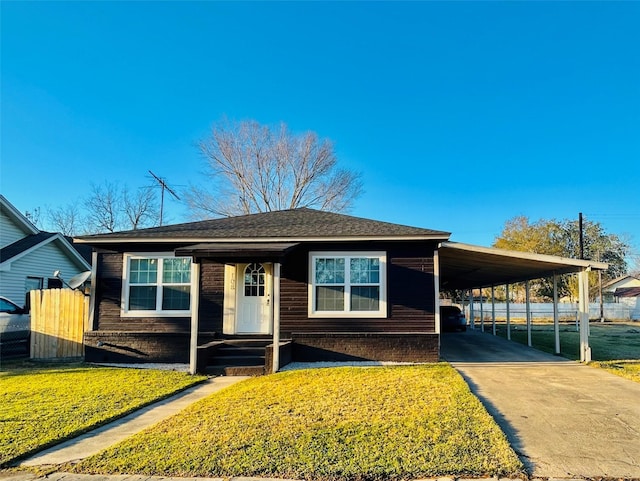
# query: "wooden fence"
[59,318]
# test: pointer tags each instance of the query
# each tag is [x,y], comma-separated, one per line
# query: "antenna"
[163,186]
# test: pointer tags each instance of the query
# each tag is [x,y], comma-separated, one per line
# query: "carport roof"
[465,266]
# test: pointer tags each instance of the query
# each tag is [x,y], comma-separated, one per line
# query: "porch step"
[235,370]
[239,357]
[236,360]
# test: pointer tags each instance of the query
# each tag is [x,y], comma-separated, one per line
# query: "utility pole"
[581,236]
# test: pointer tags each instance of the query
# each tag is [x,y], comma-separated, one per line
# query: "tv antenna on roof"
[163,187]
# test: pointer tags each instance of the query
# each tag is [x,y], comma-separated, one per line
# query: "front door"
[254,299]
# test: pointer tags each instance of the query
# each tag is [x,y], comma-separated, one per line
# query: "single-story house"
[318,285]
[29,257]
[624,290]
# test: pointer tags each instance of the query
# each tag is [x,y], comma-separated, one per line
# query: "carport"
[467,267]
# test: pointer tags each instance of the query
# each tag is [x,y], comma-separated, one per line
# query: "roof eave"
[57,237]
[179,240]
[527,255]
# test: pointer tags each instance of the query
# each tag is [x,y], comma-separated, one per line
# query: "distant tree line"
[562,238]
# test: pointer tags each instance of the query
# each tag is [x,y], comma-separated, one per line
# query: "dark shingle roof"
[627,292]
[24,244]
[302,223]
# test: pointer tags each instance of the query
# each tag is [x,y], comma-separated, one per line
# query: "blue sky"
[460,115]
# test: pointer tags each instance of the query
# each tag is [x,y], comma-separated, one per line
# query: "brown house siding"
[410,292]
[211,296]
[408,332]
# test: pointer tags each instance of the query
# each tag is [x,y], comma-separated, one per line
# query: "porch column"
[276,317]
[508,313]
[556,324]
[195,303]
[436,288]
[92,292]
[527,295]
[583,314]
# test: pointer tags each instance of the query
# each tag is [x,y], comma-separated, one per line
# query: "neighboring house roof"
[84,250]
[27,244]
[287,225]
[17,217]
[621,282]
[627,292]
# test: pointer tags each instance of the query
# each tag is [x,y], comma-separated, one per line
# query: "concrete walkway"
[564,419]
[95,441]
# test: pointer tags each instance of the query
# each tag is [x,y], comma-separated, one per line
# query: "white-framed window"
[347,284]
[156,285]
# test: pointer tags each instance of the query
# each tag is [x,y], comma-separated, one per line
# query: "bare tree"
[111,208]
[140,207]
[104,208]
[257,168]
[66,220]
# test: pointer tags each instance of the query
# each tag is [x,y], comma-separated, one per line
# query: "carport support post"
[493,310]
[556,325]
[481,311]
[527,294]
[583,312]
[195,302]
[507,305]
[471,313]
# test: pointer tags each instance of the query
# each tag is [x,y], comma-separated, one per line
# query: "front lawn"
[325,424]
[609,340]
[627,369]
[41,405]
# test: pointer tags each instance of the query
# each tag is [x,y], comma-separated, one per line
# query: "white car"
[15,322]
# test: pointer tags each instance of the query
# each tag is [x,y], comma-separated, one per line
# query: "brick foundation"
[109,346]
[373,346]
[122,347]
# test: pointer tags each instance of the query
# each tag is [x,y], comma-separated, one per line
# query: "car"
[15,321]
[452,319]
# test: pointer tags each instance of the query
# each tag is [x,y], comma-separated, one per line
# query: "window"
[254,280]
[157,285]
[33,283]
[347,284]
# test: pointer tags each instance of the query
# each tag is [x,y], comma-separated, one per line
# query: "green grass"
[627,369]
[324,424]
[608,341]
[41,405]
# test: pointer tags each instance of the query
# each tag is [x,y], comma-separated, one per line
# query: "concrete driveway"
[564,419]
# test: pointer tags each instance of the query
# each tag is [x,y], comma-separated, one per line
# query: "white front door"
[254,299]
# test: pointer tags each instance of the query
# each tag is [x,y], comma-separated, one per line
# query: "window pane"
[33,283]
[175,298]
[329,298]
[330,271]
[364,271]
[142,298]
[365,298]
[143,271]
[176,271]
